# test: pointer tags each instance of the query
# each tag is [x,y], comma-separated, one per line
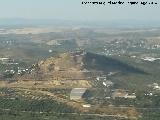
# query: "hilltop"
[86,62]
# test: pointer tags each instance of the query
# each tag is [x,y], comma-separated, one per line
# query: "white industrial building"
[77,93]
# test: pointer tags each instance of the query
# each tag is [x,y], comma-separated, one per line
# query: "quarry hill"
[78,63]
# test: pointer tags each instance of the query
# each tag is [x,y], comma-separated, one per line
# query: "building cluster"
[154,86]
[119,93]
[8,61]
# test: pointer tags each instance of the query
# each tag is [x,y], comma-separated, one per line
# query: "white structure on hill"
[77,93]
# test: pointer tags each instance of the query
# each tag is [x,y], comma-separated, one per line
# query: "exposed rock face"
[75,65]
[66,69]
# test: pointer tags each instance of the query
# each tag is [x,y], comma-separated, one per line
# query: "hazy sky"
[74,10]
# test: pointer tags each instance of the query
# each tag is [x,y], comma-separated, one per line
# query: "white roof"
[78,91]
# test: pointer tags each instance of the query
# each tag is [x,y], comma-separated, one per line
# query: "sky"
[74,10]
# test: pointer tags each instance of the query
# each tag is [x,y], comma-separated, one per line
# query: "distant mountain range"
[58,22]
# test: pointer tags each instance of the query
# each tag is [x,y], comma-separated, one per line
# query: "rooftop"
[77,93]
